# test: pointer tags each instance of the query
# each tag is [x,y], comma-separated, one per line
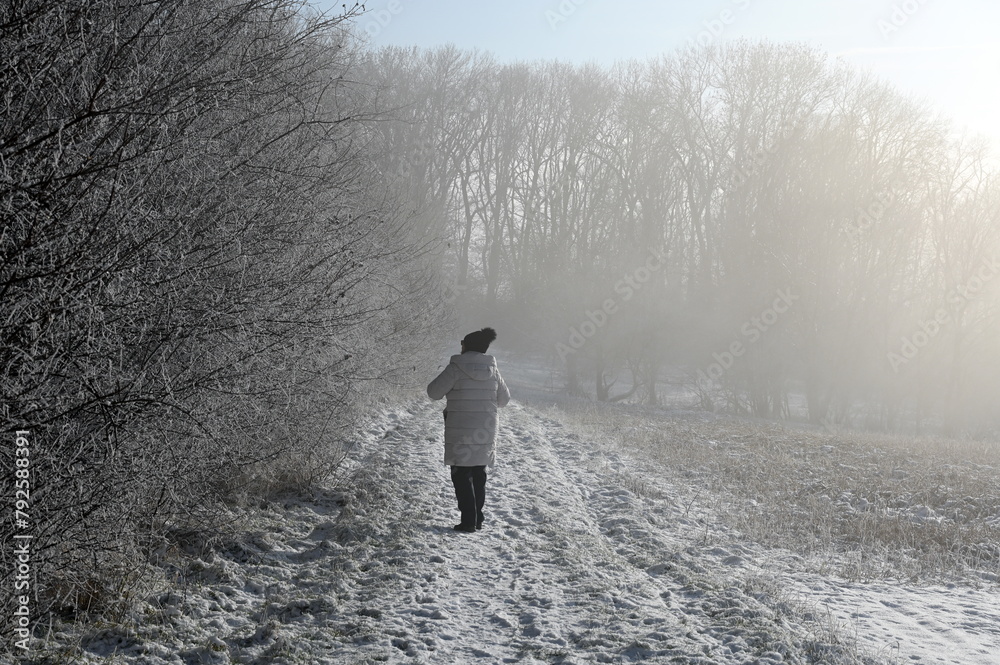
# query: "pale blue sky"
[944,50]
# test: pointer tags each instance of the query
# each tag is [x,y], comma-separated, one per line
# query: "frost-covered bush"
[200,280]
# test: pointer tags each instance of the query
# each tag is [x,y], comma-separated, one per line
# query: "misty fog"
[232,231]
[753,228]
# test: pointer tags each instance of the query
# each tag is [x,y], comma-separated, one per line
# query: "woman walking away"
[475,389]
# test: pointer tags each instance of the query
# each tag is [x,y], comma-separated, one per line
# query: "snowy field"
[590,554]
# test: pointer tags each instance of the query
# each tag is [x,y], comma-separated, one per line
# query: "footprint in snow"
[432,614]
[479,653]
[502,621]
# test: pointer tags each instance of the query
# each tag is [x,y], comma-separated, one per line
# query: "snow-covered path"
[587,556]
[572,565]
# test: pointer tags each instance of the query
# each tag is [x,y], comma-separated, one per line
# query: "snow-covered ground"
[588,555]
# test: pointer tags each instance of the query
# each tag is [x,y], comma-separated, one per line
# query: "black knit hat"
[479,340]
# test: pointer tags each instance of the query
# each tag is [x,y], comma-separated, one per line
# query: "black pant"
[470,490]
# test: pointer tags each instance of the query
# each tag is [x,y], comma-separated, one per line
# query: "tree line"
[784,234]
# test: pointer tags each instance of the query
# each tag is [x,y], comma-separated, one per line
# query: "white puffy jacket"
[475,389]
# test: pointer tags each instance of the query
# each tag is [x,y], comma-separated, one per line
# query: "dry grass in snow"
[861,506]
